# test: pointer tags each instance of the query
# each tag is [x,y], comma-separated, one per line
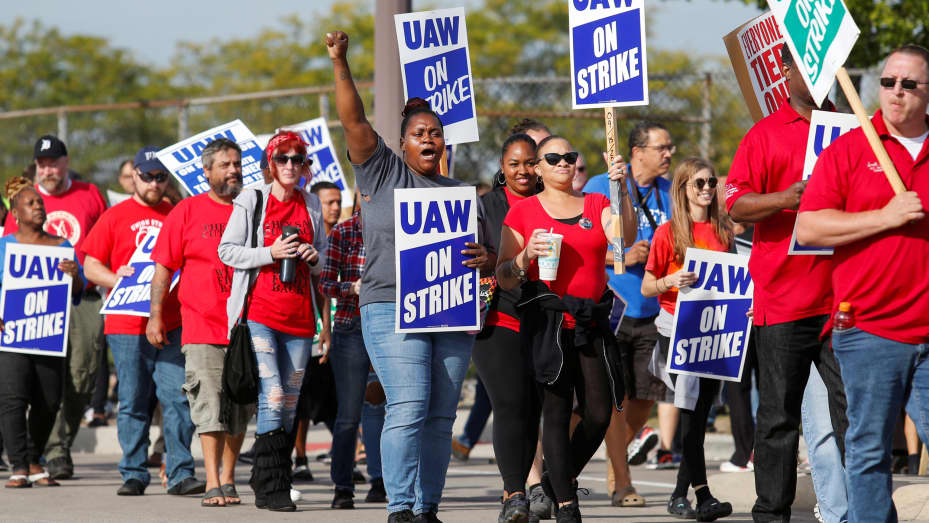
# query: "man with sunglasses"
[650,151]
[73,207]
[142,368]
[792,301]
[881,259]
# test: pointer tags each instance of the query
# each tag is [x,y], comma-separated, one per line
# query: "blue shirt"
[11,238]
[629,285]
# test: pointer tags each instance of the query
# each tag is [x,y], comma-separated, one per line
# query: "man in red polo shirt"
[188,242]
[792,301]
[880,264]
[73,207]
[143,369]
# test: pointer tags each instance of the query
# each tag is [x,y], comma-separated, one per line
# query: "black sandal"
[229,491]
[213,493]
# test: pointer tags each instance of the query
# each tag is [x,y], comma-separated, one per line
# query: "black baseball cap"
[50,146]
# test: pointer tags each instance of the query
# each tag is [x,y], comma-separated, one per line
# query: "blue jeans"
[421,374]
[825,459]
[350,366]
[143,370]
[477,417]
[281,364]
[880,376]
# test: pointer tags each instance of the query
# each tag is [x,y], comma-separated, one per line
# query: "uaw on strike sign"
[436,66]
[711,329]
[325,166]
[608,65]
[132,295]
[36,300]
[435,292]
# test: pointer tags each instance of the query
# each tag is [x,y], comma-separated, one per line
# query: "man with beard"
[140,366]
[73,207]
[188,242]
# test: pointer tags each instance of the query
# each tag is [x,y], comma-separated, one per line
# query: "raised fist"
[337,44]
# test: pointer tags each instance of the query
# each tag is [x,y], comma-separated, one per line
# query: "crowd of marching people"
[566,362]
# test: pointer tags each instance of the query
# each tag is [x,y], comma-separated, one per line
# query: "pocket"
[191,383]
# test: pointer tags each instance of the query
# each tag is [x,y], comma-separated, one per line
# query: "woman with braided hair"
[28,381]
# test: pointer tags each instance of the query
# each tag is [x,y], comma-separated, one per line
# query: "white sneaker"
[295,495]
[729,466]
[641,445]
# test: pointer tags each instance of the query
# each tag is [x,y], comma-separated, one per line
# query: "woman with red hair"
[279,310]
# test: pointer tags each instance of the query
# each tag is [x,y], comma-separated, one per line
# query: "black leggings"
[739,395]
[584,374]
[693,431]
[28,381]
[506,372]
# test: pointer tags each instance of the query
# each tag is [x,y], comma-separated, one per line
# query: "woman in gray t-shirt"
[421,373]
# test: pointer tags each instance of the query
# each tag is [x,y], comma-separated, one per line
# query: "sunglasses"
[296,159]
[888,82]
[555,158]
[159,177]
[699,183]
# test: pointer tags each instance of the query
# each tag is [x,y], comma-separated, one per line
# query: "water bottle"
[288,265]
[844,318]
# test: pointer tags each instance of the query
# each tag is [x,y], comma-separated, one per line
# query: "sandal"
[18,481]
[229,491]
[628,497]
[42,479]
[212,494]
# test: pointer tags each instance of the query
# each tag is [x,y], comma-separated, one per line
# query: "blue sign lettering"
[433,32]
[454,219]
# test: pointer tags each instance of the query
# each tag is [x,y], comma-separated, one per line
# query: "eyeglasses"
[296,159]
[555,158]
[159,177]
[699,183]
[670,148]
[889,82]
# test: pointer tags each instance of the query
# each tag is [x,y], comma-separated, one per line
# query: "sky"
[151,29]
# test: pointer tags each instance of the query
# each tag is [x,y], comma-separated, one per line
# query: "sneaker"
[713,509]
[569,513]
[460,451]
[643,443]
[515,509]
[681,509]
[132,487]
[343,499]
[301,470]
[187,487]
[663,460]
[427,517]
[403,516]
[60,468]
[728,466]
[540,505]
[377,493]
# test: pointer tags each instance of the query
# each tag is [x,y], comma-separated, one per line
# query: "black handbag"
[240,370]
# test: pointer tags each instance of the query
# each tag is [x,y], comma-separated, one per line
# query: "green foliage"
[885,25]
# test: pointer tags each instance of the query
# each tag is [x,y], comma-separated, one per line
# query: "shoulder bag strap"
[256,225]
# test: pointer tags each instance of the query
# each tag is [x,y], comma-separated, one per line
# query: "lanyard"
[643,199]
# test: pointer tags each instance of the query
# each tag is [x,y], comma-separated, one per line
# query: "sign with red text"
[755,51]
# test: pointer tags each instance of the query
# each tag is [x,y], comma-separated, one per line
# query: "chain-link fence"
[704,112]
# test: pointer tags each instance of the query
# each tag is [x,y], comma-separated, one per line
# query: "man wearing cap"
[73,207]
[141,367]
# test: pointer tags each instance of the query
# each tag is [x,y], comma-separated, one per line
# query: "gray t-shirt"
[377,178]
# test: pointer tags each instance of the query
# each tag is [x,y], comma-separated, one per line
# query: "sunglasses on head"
[555,158]
[159,177]
[699,183]
[296,159]
[888,82]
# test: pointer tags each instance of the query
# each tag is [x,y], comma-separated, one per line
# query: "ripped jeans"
[282,362]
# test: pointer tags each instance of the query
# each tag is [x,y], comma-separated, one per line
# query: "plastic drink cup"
[548,265]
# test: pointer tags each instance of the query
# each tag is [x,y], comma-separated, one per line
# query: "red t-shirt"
[70,215]
[494,316]
[188,242]
[582,267]
[661,260]
[286,307]
[770,159]
[883,276]
[113,240]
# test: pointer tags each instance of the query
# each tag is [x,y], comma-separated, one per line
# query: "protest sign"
[755,52]
[618,312]
[607,42]
[825,127]
[435,292]
[132,295]
[711,330]
[325,167]
[183,158]
[436,65]
[36,300]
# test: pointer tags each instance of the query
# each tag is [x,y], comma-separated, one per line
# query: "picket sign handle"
[616,193]
[443,163]
[882,157]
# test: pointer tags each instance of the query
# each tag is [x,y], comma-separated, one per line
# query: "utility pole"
[388,83]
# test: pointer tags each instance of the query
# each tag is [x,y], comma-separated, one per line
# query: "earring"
[499,178]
